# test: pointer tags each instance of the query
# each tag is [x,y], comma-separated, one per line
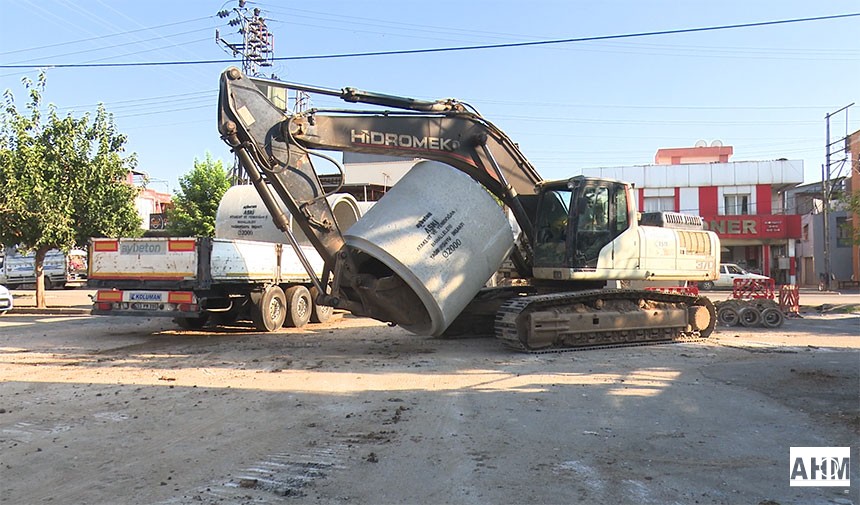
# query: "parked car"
[5,300]
[728,273]
[62,270]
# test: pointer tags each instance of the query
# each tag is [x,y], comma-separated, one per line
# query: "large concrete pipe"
[442,233]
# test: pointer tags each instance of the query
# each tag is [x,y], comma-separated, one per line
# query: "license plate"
[145,306]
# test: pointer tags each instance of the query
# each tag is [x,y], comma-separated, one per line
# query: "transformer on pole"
[258,44]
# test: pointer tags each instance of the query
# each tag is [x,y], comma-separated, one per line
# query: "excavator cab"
[577,218]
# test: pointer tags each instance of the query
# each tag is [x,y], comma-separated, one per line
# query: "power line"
[133,42]
[411,29]
[100,37]
[456,48]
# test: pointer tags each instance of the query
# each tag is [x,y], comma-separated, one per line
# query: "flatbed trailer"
[204,280]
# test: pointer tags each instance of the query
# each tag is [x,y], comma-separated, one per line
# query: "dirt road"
[103,411]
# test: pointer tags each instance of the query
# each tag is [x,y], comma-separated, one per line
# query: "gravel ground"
[123,410]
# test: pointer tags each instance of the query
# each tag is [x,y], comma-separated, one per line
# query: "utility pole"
[257,49]
[258,44]
[827,190]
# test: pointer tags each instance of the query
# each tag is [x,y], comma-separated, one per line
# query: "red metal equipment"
[751,304]
[753,289]
[789,300]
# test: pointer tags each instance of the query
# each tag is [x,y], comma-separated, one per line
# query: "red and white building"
[742,201]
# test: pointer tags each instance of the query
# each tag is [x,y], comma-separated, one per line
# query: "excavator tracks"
[602,318]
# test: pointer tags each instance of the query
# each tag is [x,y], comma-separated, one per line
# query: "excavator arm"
[274,148]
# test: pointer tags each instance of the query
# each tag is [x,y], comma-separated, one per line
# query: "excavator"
[579,245]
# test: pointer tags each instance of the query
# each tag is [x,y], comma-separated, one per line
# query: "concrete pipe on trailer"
[242,215]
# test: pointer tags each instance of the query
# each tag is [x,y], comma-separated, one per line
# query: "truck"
[62,270]
[199,281]
[420,258]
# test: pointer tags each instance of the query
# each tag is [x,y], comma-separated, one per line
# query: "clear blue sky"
[763,90]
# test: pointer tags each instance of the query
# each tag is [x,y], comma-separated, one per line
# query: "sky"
[763,90]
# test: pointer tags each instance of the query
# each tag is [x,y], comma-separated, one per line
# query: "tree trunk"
[40,277]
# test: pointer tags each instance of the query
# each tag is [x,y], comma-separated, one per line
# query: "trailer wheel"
[319,313]
[750,316]
[299,306]
[728,315]
[269,309]
[772,317]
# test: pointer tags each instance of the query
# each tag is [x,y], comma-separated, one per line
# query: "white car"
[728,273]
[5,300]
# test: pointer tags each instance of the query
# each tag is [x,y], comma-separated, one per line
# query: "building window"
[737,205]
[659,204]
[806,233]
[844,232]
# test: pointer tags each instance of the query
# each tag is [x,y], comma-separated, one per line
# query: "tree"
[62,179]
[195,204]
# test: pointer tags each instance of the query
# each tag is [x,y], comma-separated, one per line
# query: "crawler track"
[598,319]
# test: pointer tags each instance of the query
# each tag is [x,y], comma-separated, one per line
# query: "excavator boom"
[274,148]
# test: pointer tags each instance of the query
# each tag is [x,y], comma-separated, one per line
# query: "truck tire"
[269,309]
[319,313]
[299,305]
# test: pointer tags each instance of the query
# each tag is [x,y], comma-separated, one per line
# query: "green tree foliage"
[62,179]
[195,204]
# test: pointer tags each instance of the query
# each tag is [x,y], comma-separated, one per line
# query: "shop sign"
[754,226]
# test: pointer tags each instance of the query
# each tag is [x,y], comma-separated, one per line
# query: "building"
[150,204]
[368,176]
[807,201]
[743,202]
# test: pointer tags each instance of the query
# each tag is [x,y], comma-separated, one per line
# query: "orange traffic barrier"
[789,300]
[749,289]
